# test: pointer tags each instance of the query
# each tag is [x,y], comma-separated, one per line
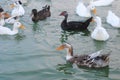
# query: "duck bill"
[94,11]
[60,48]
[12,5]
[22,27]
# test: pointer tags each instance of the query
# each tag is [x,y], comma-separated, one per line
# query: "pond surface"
[32,55]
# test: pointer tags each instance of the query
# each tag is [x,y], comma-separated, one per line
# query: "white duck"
[7,31]
[113,20]
[84,11]
[102,2]
[99,32]
[18,9]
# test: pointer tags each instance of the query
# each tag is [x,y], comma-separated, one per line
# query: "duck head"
[69,50]
[64,13]
[92,8]
[34,12]
[98,21]
[18,25]
[16,3]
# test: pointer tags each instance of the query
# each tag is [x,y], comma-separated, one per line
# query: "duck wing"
[74,25]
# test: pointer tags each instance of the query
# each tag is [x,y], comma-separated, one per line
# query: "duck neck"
[69,53]
[65,19]
[99,24]
[15,30]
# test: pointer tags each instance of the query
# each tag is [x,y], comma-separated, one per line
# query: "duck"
[102,2]
[83,11]
[113,19]
[93,60]
[8,31]
[99,32]
[38,15]
[18,9]
[74,25]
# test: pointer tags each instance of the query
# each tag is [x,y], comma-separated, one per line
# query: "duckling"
[94,60]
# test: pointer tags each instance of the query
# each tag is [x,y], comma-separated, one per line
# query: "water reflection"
[19,37]
[35,27]
[65,68]
[103,72]
[99,45]
[68,69]
[66,34]
[39,33]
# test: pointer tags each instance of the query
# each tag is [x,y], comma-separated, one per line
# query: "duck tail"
[48,7]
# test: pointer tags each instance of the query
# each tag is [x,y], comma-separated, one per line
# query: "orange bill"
[22,27]
[94,11]
[60,47]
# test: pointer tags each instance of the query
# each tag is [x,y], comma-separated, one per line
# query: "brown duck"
[41,15]
[94,60]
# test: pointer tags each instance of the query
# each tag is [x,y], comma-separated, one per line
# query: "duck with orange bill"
[99,33]
[8,31]
[93,60]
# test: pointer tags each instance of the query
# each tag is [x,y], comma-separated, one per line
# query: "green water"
[32,55]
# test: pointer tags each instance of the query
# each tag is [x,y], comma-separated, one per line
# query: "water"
[32,54]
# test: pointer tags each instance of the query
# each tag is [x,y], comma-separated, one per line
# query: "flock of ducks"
[94,60]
